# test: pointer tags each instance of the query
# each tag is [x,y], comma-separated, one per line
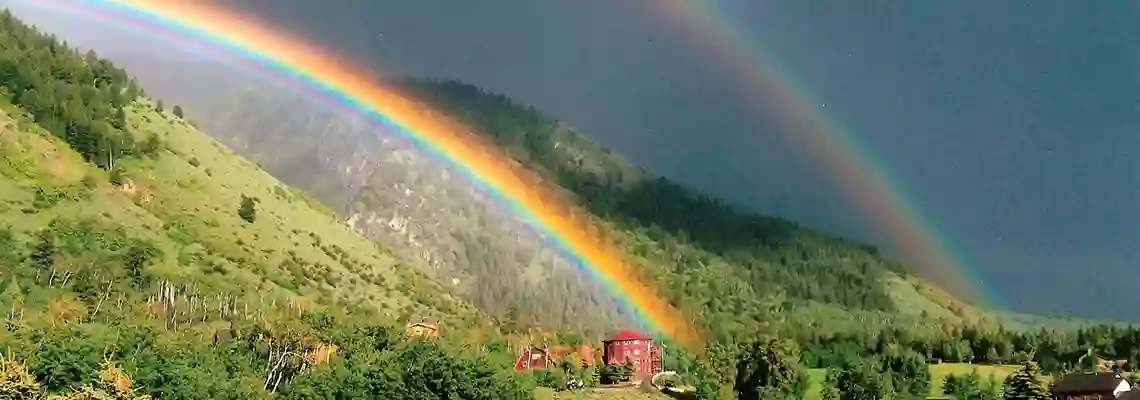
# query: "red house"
[636,347]
[532,358]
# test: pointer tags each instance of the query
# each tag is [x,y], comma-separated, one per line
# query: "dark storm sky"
[1013,125]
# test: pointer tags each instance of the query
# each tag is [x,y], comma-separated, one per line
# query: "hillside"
[840,302]
[181,204]
[142,259]
[451,231]
[685,241]
[407,201]
[139,257]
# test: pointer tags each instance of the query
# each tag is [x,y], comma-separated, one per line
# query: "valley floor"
[938,375]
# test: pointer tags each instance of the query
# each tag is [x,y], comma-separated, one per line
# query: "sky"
[1012,125]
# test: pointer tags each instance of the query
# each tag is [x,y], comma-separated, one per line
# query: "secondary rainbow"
[511,184]
[867,178]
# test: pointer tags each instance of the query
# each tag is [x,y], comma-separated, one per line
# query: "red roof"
[627,335]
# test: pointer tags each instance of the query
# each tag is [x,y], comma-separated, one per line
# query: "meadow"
[938,374]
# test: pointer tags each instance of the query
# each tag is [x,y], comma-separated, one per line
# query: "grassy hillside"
[692,245]
[181,204]
[139,257]
[405,200]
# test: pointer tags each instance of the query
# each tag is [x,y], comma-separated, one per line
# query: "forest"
[696,246]
[122,279]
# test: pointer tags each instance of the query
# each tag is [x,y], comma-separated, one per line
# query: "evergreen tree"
[968,387]
[247,210]
[44,251]
[830,388]
[177,111]
[908,371]
[10,251]
[132,90]
[1025,384]
[770,368]
[863,381]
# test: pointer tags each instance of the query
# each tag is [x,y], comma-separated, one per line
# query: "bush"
[669,381]
[616,373]
[554,379]
[247,211]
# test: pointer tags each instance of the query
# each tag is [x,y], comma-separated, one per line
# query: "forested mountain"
[843,306]
[139,258]
[691,245]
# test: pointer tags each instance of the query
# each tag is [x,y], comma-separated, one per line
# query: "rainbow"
[519,189]
[854,167]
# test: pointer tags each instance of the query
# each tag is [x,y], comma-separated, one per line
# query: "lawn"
[938,374]
[624,393]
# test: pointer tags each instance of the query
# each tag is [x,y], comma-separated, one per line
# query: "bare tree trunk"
[106,294]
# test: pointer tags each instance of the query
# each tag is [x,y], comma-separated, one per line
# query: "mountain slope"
[453,232]
[694,247]
[683,234]
[139,257]
[183,201]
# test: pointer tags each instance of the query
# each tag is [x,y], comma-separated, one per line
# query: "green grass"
[816,377]
[185,201]
[938,374]
[599,394]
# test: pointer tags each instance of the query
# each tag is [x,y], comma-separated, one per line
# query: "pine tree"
[830,389]
[177,111]
[967,387]
[44,252]
[1025,384]
[864,381]
[770,368]
[132,90]
[10,252]
[246,210]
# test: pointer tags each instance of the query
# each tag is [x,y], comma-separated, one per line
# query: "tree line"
[1055,351]
[697,248]
[79,98]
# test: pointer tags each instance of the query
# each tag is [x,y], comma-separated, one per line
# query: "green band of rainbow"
[852,165]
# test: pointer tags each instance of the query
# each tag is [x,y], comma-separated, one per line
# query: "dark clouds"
[1014,125]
